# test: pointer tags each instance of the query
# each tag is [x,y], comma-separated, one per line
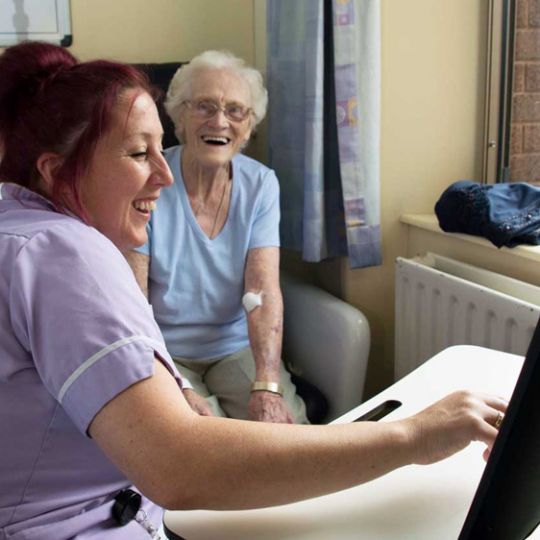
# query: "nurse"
[97,437]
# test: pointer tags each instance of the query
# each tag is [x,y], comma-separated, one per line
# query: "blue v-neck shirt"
[196,284]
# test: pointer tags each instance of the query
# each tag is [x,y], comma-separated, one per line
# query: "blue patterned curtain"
[324,87]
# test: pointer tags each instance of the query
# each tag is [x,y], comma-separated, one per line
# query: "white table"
[411,503]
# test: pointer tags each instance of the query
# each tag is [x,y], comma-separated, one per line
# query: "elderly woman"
[213,241]
[90,401]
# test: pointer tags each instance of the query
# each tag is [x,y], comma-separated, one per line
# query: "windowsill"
[429,222]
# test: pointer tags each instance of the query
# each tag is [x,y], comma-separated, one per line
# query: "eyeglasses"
[206,109]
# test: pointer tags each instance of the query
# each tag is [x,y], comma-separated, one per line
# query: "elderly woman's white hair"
[180,86]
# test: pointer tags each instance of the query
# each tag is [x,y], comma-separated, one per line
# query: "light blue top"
[196,284]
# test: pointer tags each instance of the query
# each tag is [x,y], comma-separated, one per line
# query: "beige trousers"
[225,383]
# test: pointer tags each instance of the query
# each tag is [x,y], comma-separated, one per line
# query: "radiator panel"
[436,309]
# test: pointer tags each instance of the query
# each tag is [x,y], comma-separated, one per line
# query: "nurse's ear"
[47,164]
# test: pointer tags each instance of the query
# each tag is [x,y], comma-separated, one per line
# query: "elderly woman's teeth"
[145,206]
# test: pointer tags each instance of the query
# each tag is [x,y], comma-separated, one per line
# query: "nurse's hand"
[449,425]
[197,402]
[268,407]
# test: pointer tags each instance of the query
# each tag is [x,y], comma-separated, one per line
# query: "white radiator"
[442,302]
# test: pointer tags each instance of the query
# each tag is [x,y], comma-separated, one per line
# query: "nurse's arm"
[182,460]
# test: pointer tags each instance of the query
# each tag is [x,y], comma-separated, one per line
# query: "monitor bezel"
[503,508]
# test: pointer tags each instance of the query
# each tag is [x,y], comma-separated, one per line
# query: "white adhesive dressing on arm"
[251,300]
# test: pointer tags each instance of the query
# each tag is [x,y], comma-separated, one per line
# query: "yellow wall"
[432,105]
[160,30]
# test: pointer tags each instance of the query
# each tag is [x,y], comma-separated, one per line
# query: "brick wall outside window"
[525,129]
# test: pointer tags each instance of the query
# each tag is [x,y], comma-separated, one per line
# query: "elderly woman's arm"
[140,265]
[265,328]
[181,460]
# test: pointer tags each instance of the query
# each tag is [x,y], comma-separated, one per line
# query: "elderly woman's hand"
[269,407]
[197,402]
[450,424]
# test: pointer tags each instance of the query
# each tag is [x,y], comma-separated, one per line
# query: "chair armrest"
[327,342]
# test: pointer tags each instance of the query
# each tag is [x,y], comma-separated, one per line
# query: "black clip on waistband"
[126,505]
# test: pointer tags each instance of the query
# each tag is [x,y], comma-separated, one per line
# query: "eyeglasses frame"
[219,108]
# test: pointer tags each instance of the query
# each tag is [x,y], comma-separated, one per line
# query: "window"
[512,143]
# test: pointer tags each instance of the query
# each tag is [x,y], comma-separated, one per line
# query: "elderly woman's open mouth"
[215,140]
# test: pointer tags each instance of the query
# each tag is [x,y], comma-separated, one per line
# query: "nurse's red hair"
[50,102]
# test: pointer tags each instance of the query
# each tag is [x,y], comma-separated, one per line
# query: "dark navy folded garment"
[505,214]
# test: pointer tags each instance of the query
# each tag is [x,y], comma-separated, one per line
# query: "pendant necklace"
[219,208]
[201,201]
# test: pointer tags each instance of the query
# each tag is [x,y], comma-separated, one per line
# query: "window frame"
[499,85]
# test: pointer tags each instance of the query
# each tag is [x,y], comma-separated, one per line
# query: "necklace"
[219,209]
[200,204]
[199,196]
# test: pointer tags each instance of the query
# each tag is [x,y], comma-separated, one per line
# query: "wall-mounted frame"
[39,20]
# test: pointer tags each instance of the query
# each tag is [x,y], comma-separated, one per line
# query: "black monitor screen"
[507,502]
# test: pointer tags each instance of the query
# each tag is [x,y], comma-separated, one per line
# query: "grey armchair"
[326,341]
